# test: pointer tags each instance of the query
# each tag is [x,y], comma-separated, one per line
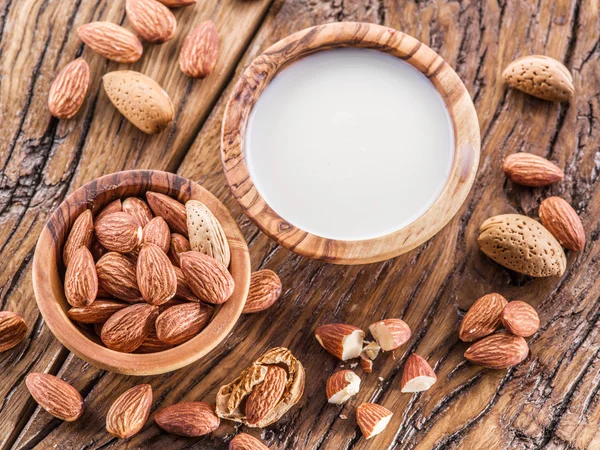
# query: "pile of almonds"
[139,98]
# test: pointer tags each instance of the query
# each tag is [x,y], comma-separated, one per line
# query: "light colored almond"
[341,386]
[111,41]
[520,318]
[205,232]
[12,330]
[127,329]
[97,312]
[531,170]
[482,318]
[266,395]
[117,275]
[112,207]
[56,396]
[390,333]
[139,209]
[152,20]
[156,275]
[81,280]
[417,375]
[563,222]
[200,51]
[157,232]
[341,340]
[81,235]
[169,209]
[372,419]
[179,244]
[498,351]
[244,441]
[190,419]
[208,279]
[69,89]
[118,232]
[265,289]
[180,323]
[129,412]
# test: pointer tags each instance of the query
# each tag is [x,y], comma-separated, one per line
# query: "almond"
[366,364]
[531,170]
[520,319]
[563,222]
[114,206]
[117,275]
[169,209]
[56,396]
[155,275]
[208,279]
[482,318]
[81,235]
[372,419]
[341,386]
[111,41]
[265,289]
[521,244]
[152,344]
[12,330]
[127,329]
[180,323]
[540,76]
[244,441]
[152,20]
[266,395]
[390,333]
[69,89]
[417,375]
[341,340]
[368,355]
[97,312]
[183,290]
[200,51]
[129,412]
[189,419]
[81,280]
[140,99]
[179,244]
[157,232]
[139,209]
[177,3]
[118,232]
[498,351]
[205,232]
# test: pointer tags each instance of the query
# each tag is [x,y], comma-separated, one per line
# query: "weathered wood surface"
[550,401]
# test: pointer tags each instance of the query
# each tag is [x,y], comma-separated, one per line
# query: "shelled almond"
[129,412]
[56,396]
[190,419]
[12,330]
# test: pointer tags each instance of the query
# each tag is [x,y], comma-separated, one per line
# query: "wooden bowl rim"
[53,305]
[363,35]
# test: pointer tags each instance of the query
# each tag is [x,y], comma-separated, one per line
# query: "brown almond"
[81,280]
[97,312]
[266,395]
[179,244]
[157,232]
[169,209]
[69,89]
[112,207]
[180,323]
[520,318]
[190,419]
[265,289]
[184,293]
[531,170]
[129,412]
[482,318]
[177,3]
[200,51]
[12,330]
[498,351]
[152,20]
[81,235]
[139,209]
[111,41]
[127,329]
[244,441]
[208,279]
[56,396]
[156,275]
[118,232]
[341,340]
[563,222]
[117,275]
[417,375]
[390,333]
[372,419]
[152,344]
[341,386]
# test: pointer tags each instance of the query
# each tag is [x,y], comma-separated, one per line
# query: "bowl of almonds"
[141,272]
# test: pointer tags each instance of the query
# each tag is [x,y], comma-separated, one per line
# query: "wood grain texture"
[551,401]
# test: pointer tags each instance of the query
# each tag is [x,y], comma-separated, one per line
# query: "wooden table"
[550,401]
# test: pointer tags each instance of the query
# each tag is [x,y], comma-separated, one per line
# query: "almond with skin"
[563,222]
[117,275]
[127,329]
[531,170]
[112,207]
[118,232]
[417,376]
[540,76]
[56,396]
[372,419]
[244,441]
[368,355]
[139,209]
[111,41]
[152,344]
[180,323]
[341,340]
[341,386]
[179,244]
[390,333]
[265,289]
[177,3]
[520,318]
[366,364]
[498,351]
[200,51]
[12,330]
[184,292]
[169,209]
[81,280]
[482,318]
[140,99]
[208,279]
[129,412]
[191,419]
[157,232]
[69,89]
[152,20]
[266,395]
[81,235]
[97,312]
[205,232]
[156,275]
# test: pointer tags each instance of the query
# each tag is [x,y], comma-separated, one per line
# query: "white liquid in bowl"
[349,144]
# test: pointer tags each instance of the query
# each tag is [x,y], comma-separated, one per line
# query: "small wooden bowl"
[48,272]
[360,35]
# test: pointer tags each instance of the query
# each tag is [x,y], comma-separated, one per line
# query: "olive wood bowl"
[48,273]
[259,74]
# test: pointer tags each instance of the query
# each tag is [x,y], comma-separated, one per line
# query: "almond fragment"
[563,222]
[341,340]
[189,419]
[266,395]
[180,323]
[205,231]
[152,20]
[417,375]
[156,275]
[157,232]
[117,275]
[341,386]
[129,412]
[127,329]
[56,396]
[482,318]
[498,351]
[81,280]
[390,333]
[169,209]
[97,312]
[244,441]
[111,41]
[179,244]
[265,289]
[520,318]
[366,364]
[368,355]
[118,232]
[372,419]
[12,330]
[81,235]
[68,89]
[200,51]
[208,279]
[114,206]
[139,209]
[531,170]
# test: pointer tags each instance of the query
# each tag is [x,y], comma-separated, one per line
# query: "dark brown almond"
[12,330]
[208,279]
[182,322]
[191,419]
[117,275]
[157,232]
[118,232]
[81,280]
[97,312]
[169,209]
[156,275]
[179,244]
[265,289]
[56,396]
[127,329]
[129,412]
[81,235]
[139,209]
